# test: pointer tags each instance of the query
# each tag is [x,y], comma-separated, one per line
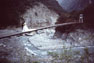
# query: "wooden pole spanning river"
[41,28]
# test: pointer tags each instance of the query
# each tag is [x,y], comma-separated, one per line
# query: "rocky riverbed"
[43,46]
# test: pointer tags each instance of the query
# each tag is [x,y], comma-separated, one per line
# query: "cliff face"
[15,12]
[12,10]
[39,16]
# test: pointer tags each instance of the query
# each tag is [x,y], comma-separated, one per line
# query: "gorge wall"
[12,10]
[44,12]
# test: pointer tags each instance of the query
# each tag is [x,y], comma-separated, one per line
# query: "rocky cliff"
[12,10]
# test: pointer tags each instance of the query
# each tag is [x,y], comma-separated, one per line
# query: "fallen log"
[20,33]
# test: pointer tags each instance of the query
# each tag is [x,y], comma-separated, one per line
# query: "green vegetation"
[70,56]
[66,56]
